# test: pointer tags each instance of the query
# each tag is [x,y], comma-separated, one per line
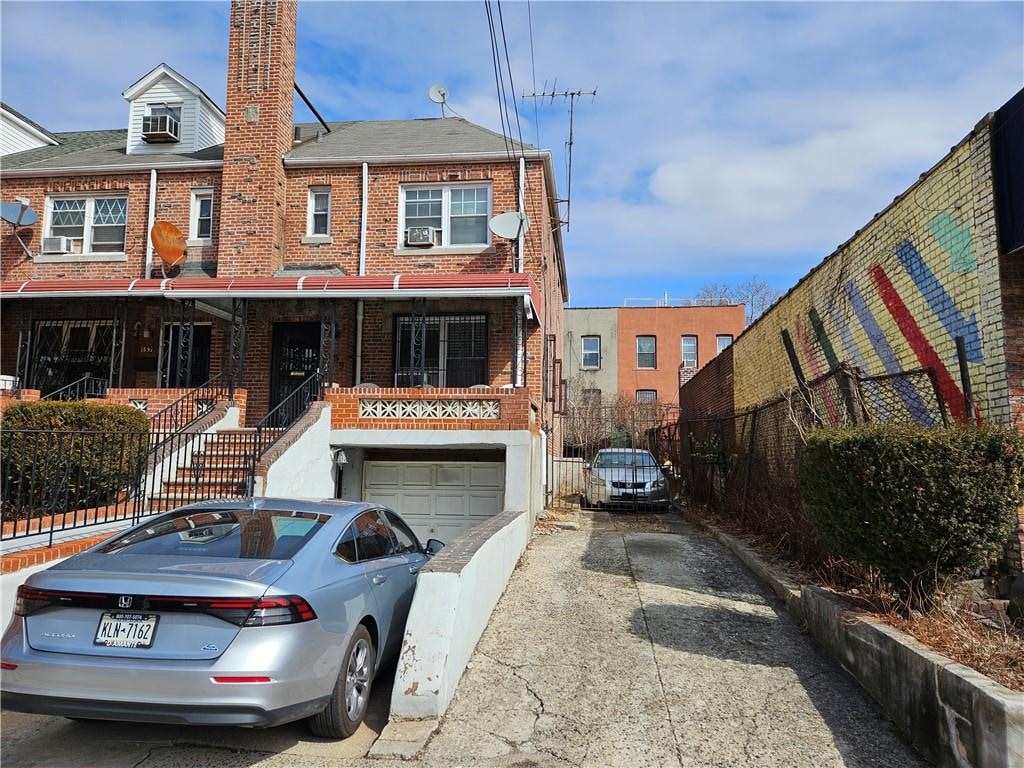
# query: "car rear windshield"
[624,459]
[247,534]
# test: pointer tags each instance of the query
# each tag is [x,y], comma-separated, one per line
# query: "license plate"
[126,630]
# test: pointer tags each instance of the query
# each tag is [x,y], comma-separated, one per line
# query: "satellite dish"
[18,214]
[169,243]
[438,94]
[509,225]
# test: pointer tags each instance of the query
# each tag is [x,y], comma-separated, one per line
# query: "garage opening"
[440,493]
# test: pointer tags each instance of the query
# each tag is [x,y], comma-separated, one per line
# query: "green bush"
[60,456]
[920,505]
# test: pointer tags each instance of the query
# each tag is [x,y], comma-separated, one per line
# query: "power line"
[499,81]
[533,72]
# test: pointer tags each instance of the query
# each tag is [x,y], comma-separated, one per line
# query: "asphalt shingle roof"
[353,139]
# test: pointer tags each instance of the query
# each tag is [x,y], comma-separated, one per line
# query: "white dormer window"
[162,123]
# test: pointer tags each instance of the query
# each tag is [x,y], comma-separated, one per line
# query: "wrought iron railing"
[80,389]
[190,406]
[270,428]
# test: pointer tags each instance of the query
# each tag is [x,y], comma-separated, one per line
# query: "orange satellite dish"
[169,243]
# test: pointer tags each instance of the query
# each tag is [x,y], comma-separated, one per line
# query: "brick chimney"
[257,133]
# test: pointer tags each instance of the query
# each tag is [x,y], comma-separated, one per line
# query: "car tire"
[347,708]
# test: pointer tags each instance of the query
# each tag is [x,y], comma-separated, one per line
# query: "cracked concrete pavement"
[641,642]
[635,641]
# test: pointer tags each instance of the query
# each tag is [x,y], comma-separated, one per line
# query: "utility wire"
[533,72]
[499,82]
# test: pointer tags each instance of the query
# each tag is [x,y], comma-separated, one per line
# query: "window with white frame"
[647,395]
[723,341]
[161,109]
[458,212]
[646,352]
[689,354]
[201,221]
[591,353]
[318,212]
[91,224]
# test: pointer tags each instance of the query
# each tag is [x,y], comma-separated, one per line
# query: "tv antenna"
[439,95]
[18,215]
[571,97]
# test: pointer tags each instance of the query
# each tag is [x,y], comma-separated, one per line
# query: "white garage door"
[439,500]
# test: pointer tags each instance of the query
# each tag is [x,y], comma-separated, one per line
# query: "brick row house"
[354,253]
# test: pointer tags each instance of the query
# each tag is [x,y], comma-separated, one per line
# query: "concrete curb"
[951,714]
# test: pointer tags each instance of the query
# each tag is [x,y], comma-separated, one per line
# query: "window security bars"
[58,353]
[441,350]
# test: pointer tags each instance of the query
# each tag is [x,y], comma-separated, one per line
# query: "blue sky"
[728,140]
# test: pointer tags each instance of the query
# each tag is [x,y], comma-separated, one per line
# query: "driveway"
[640,642]
[634,642]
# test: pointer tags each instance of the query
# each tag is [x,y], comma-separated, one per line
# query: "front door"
[295,356]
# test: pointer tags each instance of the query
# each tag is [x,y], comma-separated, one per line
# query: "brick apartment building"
[644,353]
[436,358]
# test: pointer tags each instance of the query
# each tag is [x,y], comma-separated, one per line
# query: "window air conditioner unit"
[422,236]
[56,245]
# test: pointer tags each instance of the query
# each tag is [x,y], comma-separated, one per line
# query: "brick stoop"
[15,561]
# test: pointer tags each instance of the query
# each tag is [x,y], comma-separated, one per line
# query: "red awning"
[350,287]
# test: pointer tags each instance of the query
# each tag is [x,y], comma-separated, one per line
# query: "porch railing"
[85,387]
[189,406]
[270,428]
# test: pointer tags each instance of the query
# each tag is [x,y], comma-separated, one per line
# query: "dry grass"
[950,628]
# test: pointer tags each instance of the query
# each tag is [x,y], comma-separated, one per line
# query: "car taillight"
[32,599]
[8,665]
[241,679]
[241,611]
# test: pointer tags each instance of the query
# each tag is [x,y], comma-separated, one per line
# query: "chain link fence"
[746,465]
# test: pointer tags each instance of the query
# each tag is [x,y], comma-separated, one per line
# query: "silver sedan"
[623,476]
[249,613]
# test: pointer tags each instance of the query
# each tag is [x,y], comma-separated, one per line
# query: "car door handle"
[379,578]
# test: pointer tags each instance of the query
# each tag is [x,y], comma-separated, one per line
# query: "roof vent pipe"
[296,134]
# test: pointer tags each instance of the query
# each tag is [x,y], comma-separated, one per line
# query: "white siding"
[209,127]
[169,90]
[14,138]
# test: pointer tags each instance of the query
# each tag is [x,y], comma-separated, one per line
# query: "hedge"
[920,505]
[60,456]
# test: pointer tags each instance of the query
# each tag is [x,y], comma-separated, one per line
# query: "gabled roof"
[28,123]
[141,85]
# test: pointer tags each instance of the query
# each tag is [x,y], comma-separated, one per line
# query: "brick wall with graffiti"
[896,296]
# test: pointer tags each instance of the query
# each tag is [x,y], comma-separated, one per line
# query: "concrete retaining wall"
[303,467]
[952,715]
[455,595]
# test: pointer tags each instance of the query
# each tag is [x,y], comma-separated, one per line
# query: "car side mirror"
[432,547]
[587,466]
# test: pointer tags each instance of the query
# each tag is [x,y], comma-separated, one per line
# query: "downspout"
[362,271]
[520,341]
[152,218]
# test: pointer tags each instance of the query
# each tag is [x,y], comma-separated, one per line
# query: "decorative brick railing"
[437,409]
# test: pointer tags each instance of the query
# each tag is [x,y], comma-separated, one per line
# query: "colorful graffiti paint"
[892,299]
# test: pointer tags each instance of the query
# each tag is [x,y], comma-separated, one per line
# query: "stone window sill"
[199,242]
[317,240]
[446,250]
[74,258]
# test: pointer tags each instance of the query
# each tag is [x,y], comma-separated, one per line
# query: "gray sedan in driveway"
[251,613]
[623,476]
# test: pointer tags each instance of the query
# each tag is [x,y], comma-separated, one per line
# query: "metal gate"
[602,456]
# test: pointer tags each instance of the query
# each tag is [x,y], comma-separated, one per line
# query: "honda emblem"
[124,601]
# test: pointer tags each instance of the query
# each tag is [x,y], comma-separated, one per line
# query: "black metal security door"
[295,356]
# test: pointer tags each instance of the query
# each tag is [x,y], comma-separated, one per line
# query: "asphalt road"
[636,642]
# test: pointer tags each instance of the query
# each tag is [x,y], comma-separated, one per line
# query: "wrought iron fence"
[746,464]
[270,428]
[80,389]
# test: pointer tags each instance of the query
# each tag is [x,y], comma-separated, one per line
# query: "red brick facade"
[259,224]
